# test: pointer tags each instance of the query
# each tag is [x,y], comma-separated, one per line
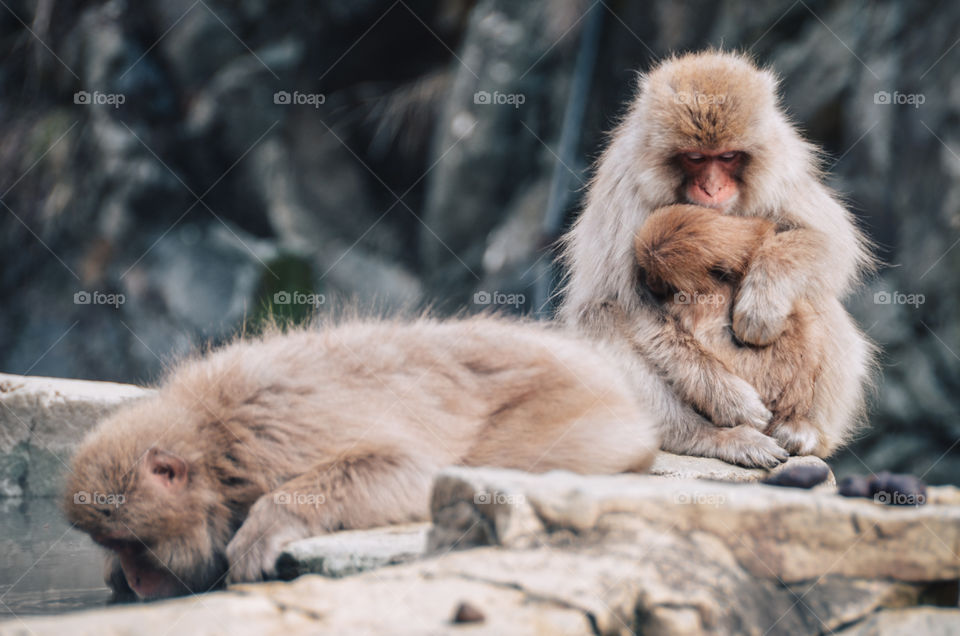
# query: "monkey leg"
[353,492]
[845,374]
[698,377]
[686,432]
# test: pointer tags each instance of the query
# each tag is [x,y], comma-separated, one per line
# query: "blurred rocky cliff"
[170,169]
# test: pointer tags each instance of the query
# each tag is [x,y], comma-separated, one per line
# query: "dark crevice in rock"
[534,597]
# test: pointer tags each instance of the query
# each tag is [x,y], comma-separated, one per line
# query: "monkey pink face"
[711,178]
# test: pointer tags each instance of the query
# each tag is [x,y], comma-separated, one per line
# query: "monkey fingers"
[748,447]
[253,551]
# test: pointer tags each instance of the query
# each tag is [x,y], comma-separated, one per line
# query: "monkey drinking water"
[295,434]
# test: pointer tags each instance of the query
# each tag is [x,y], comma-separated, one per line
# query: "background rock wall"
[168,168]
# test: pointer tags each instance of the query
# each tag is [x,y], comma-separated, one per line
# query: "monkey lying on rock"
[295,434]
[695,259]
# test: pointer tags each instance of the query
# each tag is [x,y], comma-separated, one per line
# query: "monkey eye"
[695,157]
[728,156]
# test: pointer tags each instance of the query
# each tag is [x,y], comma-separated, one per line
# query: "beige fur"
[816,254]
[360,415]
[694,258]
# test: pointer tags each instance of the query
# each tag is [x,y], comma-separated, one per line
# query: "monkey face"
[705,119]
[147,509]
[711,179]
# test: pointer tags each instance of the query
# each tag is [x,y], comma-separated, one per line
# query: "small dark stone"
[886,488]
[854,486]
[467,613]
[799,477]
[898,490]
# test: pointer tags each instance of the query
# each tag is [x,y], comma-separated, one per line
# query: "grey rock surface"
[41,422]
[689,467]
[566,554]
[344,553]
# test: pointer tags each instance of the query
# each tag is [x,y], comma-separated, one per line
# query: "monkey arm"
[359,491]
[820,253]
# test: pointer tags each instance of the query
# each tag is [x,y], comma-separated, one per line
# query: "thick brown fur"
[694,258]
[295,434]
[717,102]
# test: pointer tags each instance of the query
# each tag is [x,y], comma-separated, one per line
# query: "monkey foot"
[748,447]
[798,437]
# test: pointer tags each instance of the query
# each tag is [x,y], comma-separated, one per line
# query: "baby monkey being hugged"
[295,434]
[694,258]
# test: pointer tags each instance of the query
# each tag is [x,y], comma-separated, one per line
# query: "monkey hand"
[736,402]
[760,311]
[253,551]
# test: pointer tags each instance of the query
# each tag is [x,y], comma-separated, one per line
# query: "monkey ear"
[166,469]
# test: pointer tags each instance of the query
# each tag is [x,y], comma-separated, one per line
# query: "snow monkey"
[706,129]
[314,430]
[693,258]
